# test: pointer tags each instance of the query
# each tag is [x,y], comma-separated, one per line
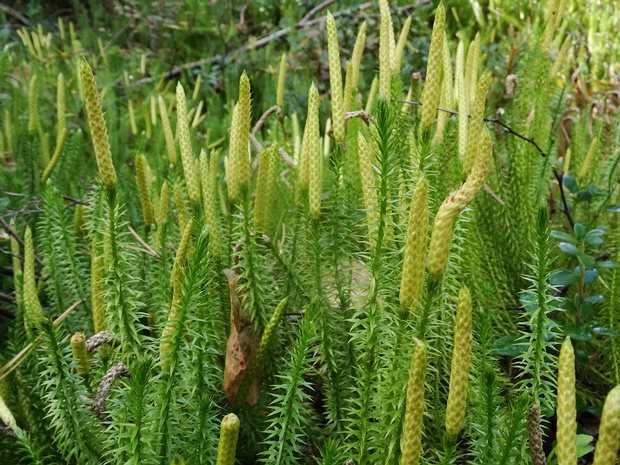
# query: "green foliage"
[71,423]
[322,377]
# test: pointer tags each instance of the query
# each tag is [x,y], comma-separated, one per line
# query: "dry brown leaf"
[241,346]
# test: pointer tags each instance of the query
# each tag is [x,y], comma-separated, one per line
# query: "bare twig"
[261,121]
[286,157]
[507,128]
[495,197]
[560,178]
[125,27]
[283,178]
[315,10]
[12,254]
[259,148]
[12,194]
[138,249]
[592,359]
[269,38]
[21,356]
[5,312]
[365,116]
[76,201]
[7,298]
[6,226]
[141,241]
[16,14]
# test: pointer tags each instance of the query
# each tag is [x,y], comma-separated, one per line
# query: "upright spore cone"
[400,46]
[356,57]
[583,172]
[430,96]
[229,434]
[385,61]
[412,429]
[384,9]
[97,126]
[366,157]
[17,264]
[265,188]
[471,75]
[567,413]
[162,209]
[281,79]
[461,97]
[191,178]
[474,133]
[461,356]
[314,153]
[96,291]
[308,144]
[606,452]
[60,146]
[143,189]
[446,99]
[335,78]
[171,324]
[239,176]
[412,280]
[243,160]
[535,440]
[33,110]
[561,59]
[182,214]
[348,90]
[165,122]
[209,170]
[60,104]
[232,178]
[33,313]
[181,256]
[78,348]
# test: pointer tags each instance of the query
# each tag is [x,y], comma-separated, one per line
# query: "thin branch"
[365,116]
[7,369]
[71,199]
[141,241]
[261,121]
[124,28]
[495,197]
[13,194]
[507,128]
[16,14]
[560,178]
[138,249]
[5,312]
[6,226]
[7,298]
[259,148]
[267,39]
[315,10]
[12,254]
